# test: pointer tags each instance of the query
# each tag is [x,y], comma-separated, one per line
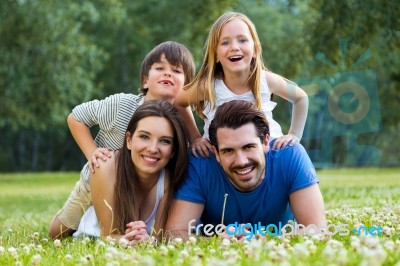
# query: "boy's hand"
[99,153]
[284,140]
[202,146]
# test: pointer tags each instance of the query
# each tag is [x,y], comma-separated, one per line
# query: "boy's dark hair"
[235,114]
[175,53]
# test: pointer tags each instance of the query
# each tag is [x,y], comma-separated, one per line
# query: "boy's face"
[164,81]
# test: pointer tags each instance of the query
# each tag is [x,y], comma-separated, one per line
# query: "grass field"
[356,197]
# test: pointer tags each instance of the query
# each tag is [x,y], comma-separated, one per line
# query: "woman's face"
[151,145]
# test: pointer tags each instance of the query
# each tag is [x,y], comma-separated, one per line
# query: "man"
[246,181]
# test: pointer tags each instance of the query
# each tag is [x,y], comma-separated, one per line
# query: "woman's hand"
[136,232]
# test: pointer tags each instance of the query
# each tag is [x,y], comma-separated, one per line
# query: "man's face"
[242,156]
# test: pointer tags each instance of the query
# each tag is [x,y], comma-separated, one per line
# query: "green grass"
[369,196]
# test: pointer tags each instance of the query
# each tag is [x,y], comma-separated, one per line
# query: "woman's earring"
[129,147]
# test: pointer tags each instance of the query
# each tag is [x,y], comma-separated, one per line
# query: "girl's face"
[235,48]
[151,145]
[165,81]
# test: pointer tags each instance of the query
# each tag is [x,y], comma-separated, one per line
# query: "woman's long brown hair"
[126,207]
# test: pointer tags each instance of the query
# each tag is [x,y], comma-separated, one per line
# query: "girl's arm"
[182,103]
[298,97]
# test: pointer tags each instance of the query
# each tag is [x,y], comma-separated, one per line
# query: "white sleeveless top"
[223,94]
[89,225]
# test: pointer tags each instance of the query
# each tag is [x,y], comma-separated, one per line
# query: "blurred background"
[58,54]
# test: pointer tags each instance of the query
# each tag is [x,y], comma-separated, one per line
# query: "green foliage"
[47,64]
[58,54]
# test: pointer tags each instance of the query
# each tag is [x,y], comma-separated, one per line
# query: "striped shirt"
[112,114]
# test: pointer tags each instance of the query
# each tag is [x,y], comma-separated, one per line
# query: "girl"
[233,69]
[135,186]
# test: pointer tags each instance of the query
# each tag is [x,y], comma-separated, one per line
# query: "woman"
[133,190]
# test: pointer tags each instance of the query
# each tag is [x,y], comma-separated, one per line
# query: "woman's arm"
[102,185]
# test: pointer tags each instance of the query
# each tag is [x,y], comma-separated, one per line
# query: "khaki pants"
[77,203]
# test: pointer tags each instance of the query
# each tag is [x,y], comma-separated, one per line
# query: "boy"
[164,72]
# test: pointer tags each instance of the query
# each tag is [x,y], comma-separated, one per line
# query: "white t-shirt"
[223,94]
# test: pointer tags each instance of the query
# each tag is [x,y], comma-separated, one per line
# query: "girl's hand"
[99,153]
[281,142]
[136,232]
[202,146]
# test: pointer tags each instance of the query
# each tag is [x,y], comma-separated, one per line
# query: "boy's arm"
[298,97]
[83,137]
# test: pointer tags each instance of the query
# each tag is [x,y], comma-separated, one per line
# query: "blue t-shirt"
[287,170]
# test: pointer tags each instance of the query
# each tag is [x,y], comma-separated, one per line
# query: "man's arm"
[180,217]
[308,206]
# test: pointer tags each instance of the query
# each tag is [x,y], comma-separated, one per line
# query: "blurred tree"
[359,39]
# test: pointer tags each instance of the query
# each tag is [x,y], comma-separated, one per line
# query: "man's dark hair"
[235,114]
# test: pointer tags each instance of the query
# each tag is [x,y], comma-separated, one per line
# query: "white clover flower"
[112,250]
[335,244]
[108,256]
[178,240]
[2,250]
[163,250]
[147,261]
[301,251]
[226,242]
[123,242]
[39,248]
[184,253]
[57,243]
[387,231]
[86,259]
[100,243]
[329,253]
[192,240]
[27,249]
[389,245]
[36,259]
[68,256]
[45,240]
[342,257]
[13,252]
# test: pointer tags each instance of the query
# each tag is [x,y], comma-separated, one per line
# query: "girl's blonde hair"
[210,69]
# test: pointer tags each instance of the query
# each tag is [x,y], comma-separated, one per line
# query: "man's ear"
[266,143]
[215,151]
